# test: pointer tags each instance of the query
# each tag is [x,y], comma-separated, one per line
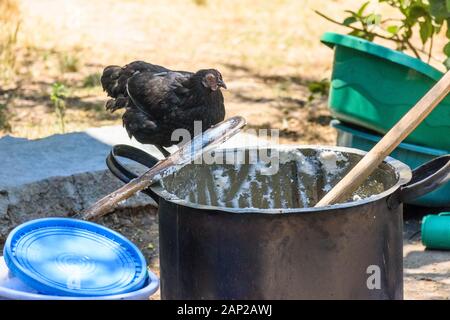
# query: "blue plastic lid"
[68,257]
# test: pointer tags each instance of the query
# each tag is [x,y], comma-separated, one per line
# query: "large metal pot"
[212,250]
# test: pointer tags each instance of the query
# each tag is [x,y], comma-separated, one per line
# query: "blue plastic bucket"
[12,288]
[58,257]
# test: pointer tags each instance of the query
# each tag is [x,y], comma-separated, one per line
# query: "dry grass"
[9,26]
[268,51]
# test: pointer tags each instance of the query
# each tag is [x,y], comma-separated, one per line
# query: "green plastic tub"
[373,87]
[410,154]
[436,231]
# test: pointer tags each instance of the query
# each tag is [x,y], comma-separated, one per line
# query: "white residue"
[286,157]
[330,159]
[305,165]
[221,179]
[330,164]
[221,185]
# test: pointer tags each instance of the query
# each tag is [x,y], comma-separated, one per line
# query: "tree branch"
[397,40]
[431,49]
[414,50]
[355,28]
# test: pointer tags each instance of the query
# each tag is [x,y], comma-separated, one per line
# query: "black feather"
[158,100]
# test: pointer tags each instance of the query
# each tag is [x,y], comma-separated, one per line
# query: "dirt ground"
[267,56]
[268,52]
[426,273]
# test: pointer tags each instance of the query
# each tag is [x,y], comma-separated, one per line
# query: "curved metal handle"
[131,153]
[427,178]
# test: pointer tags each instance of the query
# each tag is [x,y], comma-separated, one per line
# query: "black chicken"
[158,100]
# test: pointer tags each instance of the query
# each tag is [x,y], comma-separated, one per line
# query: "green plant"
[427,17]
[318,88]
[92,80]
[69,63]
[58,95]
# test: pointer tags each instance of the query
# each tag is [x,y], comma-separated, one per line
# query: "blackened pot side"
[346,251]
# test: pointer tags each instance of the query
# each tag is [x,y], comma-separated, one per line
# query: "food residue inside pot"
[302,178]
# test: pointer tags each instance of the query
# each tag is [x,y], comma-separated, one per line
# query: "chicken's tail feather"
[114,78]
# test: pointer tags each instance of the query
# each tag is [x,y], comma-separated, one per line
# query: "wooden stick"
[210,139]
[388,143]
[110,201]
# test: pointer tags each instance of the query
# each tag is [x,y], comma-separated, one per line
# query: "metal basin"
[225,236]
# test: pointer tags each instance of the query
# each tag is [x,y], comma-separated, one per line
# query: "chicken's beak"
[222,84]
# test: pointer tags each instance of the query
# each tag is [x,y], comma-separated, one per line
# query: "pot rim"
[402,171]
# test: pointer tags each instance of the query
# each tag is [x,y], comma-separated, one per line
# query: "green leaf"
[447,49]
[398,3]
[322,87]
[362,8]
[377,19]
[440,8]
[353,13]
[373,19]
[407,34]
[447,63]
[426,31]
[349,20]
[439,21]
[392,29]
[447,33]
[358,33]
[417,11]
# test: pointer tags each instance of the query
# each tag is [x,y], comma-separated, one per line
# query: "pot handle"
[426,178]
[121,172]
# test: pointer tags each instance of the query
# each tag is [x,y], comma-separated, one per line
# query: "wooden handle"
[201,143]
[388,143]
[110,201]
